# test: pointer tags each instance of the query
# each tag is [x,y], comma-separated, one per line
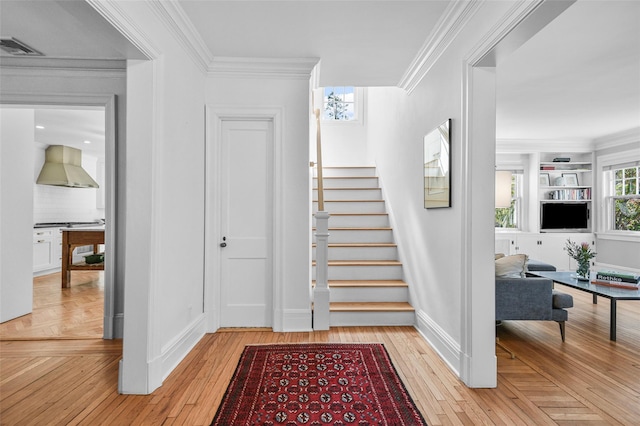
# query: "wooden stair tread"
[360,245]
[359,214]
[349,189]
[351,201]
[352,228]
[366,283]
[363,263]
[370,307]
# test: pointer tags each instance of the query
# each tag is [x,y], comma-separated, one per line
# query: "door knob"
[223,243]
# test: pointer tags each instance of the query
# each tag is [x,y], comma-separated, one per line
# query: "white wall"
[343,143]
[294,226]
[446,252]
[16,203]
[164,316]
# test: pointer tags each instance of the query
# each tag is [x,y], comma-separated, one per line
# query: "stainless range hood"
[63,167]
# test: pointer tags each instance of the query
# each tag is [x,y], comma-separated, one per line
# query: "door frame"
[108,102]
[214,117]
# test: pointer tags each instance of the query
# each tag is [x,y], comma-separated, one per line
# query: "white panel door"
[246,223]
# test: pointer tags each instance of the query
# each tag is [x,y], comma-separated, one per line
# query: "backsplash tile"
[62,204]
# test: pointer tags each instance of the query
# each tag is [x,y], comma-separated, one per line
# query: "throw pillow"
[513,266]
[499,256]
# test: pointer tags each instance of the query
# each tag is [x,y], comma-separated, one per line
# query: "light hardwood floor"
[587,380]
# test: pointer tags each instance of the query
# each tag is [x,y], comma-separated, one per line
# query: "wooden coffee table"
[612,293]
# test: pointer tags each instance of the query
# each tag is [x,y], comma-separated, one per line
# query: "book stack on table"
[617,279]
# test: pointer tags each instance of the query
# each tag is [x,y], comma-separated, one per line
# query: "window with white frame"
[339,103]
[624,202]
[511,217]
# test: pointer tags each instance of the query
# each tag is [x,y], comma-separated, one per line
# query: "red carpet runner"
[316,384]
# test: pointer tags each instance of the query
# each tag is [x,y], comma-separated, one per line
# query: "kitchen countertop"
[68,224]
[84,228]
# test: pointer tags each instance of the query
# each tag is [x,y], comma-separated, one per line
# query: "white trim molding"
[618,139]
[176,350]
[291,68]
[448,27]
[180,26]
[445,345]
[113,13]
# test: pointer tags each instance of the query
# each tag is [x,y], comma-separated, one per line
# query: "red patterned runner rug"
[316,384]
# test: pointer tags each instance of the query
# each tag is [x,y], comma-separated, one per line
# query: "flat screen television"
[564,217]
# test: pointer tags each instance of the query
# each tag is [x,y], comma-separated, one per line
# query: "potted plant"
[582,254]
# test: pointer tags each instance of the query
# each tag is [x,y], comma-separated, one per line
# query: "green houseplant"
[582,254]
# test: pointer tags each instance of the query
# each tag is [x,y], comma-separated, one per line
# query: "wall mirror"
[437,167]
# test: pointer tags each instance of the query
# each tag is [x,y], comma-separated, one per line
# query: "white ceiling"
[364,43]
[577,79]
[72,127]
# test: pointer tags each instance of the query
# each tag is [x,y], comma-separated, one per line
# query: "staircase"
[365,277]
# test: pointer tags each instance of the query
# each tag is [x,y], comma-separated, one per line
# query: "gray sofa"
[532,298]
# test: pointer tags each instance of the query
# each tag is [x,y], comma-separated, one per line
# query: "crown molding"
[180,26]
[617,139]
[290,68]
[113,13]
[446,30]
[543,145]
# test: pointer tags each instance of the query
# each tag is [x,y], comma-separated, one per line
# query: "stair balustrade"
[321,294]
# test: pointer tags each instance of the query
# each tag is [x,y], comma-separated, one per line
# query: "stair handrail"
[319,162]
[321,292]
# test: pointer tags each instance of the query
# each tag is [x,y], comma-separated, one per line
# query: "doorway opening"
[84,309]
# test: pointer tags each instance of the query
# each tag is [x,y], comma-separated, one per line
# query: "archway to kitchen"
[50,319]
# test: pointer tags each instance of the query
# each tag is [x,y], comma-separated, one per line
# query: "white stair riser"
[360,253]
[369,294]
[351,319]
[350,194]
[359,236]
[358,220]
[363,273]
[370,182]
[347,171]
[351,206]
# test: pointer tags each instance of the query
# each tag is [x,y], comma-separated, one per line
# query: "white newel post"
[321,290]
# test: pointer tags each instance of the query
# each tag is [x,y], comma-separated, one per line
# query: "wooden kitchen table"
[76,237]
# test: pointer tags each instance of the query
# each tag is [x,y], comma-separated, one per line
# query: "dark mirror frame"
[437,167]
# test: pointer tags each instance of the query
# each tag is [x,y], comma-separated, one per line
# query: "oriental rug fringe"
[316,384]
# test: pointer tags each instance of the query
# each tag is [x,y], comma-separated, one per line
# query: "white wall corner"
[446,347]
[296,320]
[176,350]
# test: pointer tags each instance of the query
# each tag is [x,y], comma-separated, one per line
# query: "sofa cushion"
[499,256]
[536,265]
[561,300]
[513,266]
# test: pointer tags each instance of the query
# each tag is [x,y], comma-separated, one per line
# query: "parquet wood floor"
[587,380]
[61,313]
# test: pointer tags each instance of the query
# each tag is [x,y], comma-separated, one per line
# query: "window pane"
[630,172]
[618,188]
[619,174]
[630,187]
[627,215]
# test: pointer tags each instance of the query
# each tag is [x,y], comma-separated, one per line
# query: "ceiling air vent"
[16,47]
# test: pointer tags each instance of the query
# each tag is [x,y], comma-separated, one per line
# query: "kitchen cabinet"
[47,249]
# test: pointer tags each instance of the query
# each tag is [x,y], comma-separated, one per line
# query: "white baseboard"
[296,320]
[175,351]
[440,341]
